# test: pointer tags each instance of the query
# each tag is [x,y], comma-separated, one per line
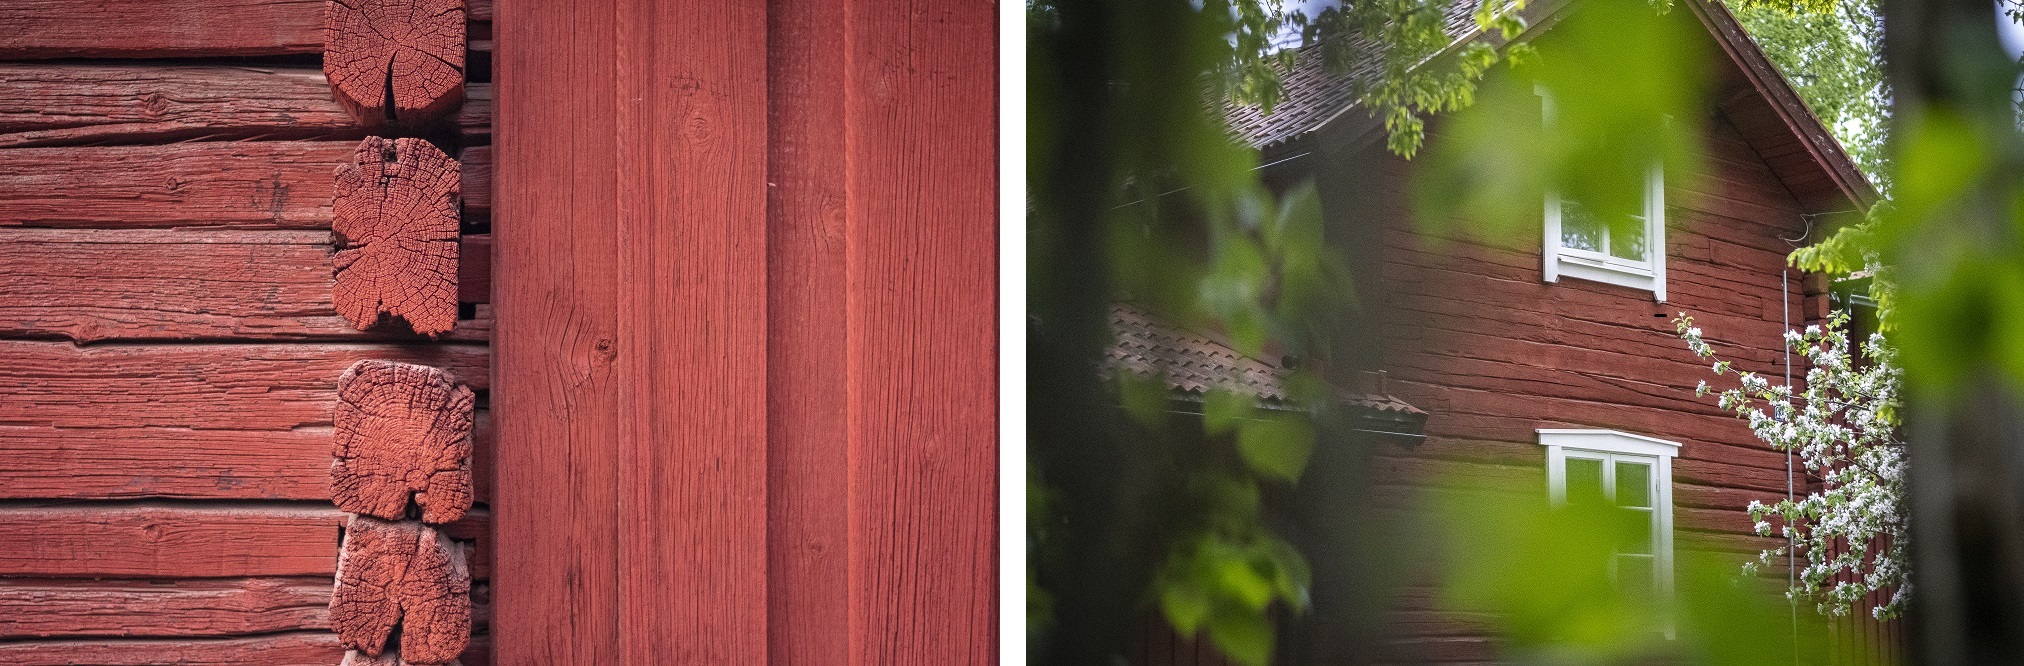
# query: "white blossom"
[1842,424]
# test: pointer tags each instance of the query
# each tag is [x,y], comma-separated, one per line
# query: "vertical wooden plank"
[807,454]
[922,121]
[556,283]
[692,338]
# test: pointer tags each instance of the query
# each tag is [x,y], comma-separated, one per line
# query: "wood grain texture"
[402,433]
[401,574]
[189,284]
[45,607]
[557,282]
[209,387]
[190,540]
[476,162]
[41,462]
[294,648]
[691,338]
[808,457]
[395,219]
[632,287]
[923,332]
[73,103]
[244,185]
[105,103]
[395,62]
[159,28]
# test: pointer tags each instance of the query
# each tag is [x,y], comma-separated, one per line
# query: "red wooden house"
[270,390]
[1552,359]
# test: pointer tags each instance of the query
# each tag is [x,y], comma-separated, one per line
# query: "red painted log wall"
[745,347]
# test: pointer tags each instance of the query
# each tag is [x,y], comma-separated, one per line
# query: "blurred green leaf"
[1276,446]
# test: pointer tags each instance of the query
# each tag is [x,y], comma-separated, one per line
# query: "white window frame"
[1648,274]
[1610,446]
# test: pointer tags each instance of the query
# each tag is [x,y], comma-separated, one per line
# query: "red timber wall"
[746,365]
[1471,334]
[169,347]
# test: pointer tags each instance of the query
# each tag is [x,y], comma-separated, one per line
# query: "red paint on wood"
[159,28]
[244,185]
[476,162]
[401,574]
[402,431]
[189,539]
[396,220]
[635,265]
[195,284]
[116,463]
[395,62]
[304,648]
[922,330]
[808,456]
[31,607]
[69,103]
[205,387]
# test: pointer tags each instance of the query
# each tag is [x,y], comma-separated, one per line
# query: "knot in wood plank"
[401,430]
[395,62]
[407,574]
[396,219]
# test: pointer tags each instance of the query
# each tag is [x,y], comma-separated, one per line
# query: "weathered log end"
[396,219]
[395,62]
[407,574]
[401,430]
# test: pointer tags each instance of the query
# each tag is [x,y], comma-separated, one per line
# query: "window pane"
[1633,484]
[1579,228]
[1634,574]
[1627,237]
[1634,531]
[1584,482]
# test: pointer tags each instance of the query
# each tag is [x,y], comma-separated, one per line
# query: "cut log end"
[395,62]
[396,220]
[389,658]
[402,431]
[406,574]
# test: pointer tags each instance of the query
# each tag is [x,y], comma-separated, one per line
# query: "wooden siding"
[746,342]
[168,347]
[1471,333]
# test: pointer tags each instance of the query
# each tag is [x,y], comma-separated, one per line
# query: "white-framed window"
[1630,252]
[1633,473]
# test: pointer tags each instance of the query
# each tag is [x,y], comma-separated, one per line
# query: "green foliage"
[1831,52]
[1543,575]
[1626,88]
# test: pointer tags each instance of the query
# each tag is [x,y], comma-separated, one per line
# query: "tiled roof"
[1313,95]
[1195,364]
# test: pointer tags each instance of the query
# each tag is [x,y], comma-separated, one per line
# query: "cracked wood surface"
[232,185]
[205,387]
[43,607]
[69,103]
[40,462]
[189,284]
[396,223]
[395,62]
[406,574]
[159,28]
[167,539]
[402,431]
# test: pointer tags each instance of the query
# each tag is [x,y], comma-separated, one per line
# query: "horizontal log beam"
[45,607]
[63,104]
[189,540]
[295,647]
[38,462]
[159,28]
[194,284]
[241,185]
[204,387]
